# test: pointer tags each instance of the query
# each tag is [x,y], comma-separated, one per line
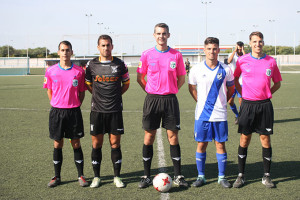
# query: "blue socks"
[222,162]
[200,161]
[234,110]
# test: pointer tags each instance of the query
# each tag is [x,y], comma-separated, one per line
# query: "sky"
[39,23]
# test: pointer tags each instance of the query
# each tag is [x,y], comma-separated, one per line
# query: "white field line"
[125,111]
[161,159]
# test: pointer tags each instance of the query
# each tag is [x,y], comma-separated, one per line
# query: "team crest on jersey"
[75,82]
[173,64]
[45,80]
[219,76]
[268,72]
[140,64]
[114,69]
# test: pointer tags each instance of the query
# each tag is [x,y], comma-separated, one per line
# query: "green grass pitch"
[26,150]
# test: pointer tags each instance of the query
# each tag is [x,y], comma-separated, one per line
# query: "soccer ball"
[162,182]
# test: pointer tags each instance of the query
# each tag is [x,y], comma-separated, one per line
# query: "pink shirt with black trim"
[257,74]
[65,85]
[162,70]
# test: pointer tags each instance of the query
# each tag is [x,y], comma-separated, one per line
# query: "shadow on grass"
[280,171]
[287,120]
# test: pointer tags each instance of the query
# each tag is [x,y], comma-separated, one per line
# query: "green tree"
[284,50]
[268,49]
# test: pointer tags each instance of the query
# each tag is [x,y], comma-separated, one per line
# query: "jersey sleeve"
[125,76]
[181,68]
[88,75]
[47,80]
[143,66]
[229,77]
[276,74]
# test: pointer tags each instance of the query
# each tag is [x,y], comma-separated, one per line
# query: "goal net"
[14,66]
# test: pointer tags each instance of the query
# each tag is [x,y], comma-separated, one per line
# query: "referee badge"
[75,82]
[173,64]
[268,72]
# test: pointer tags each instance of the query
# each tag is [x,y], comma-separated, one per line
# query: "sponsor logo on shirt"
[140,64]
[268,72]
[75,82]
[219,76]
[173,65]
[114,69]
[45,80]
[105,79]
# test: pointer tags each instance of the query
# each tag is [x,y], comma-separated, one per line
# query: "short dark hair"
[65,42]
[211,40]
[240,43]
[105,37]
[162,25]
[257,33]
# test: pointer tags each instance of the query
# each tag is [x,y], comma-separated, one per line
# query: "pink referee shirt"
[65,85]
[257,75]
[162,70]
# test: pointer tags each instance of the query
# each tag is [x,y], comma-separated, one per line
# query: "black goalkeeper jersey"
[106,79]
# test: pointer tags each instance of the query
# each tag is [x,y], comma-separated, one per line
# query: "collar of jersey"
[107,61]
[162,51]
[258,58]
[65,69]
[211,68]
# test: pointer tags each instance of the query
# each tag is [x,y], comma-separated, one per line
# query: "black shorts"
[161,107]
[65,123]
[101,123]
[256,116]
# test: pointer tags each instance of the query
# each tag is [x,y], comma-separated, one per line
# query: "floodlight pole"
[88,16]
[242,34]
[106,28]
[8,48]
[205,3]
[272,21]
[255,26]
[298,12]
[100,23]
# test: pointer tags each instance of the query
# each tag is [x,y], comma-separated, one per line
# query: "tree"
[284,50]
[297,49]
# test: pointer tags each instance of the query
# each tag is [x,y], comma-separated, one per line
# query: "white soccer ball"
[162,182]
